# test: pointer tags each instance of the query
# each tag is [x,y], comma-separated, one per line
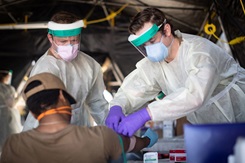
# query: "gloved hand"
[152,135]
[133,122]
[114,117]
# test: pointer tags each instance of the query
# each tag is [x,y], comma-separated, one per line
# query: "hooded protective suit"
[83,79]
[203,83]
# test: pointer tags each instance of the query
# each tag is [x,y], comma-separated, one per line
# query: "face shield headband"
[65,30]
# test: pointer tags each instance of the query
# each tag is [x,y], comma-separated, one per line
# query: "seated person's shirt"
[72,144]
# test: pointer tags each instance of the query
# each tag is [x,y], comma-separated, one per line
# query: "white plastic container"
[151,157]
[168,129]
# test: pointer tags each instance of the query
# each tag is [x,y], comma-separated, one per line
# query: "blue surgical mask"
[156,52]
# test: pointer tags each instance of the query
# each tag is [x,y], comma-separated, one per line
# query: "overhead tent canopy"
[23,30]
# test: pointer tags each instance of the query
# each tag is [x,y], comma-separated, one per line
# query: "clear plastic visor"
[141,49]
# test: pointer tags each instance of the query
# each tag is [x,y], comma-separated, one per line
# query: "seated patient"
[55,139]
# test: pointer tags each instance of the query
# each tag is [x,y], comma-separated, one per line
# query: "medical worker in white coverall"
[200,80]
[80,73]
[10,119]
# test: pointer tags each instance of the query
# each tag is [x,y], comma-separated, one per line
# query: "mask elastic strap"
[56,48]
[59,110]
[55,43]
[170,43]
[161,39]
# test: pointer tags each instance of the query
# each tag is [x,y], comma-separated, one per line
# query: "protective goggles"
[65,30]
[139,41]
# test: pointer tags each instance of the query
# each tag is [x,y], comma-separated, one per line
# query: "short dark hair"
[3,74]
[64,17]
[42,100]
[153,15]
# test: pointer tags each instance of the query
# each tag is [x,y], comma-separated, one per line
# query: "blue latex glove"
[133,122]
[152,135]
[114,117]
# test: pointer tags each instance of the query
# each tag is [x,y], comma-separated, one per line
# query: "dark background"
[107,40]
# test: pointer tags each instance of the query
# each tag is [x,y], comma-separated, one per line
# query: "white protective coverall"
[203,83]
[9,117]
[83,79]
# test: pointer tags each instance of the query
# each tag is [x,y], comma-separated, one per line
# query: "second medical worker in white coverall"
[80,73]
[200,80]
[10,119]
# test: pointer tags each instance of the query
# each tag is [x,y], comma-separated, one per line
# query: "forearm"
[98,105]
[131,96]
[141,143]
[138,145]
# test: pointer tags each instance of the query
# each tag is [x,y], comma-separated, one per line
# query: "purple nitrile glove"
[114,117]
[133,122]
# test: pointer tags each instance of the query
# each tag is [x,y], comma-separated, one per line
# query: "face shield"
[139,41]
[65,30]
